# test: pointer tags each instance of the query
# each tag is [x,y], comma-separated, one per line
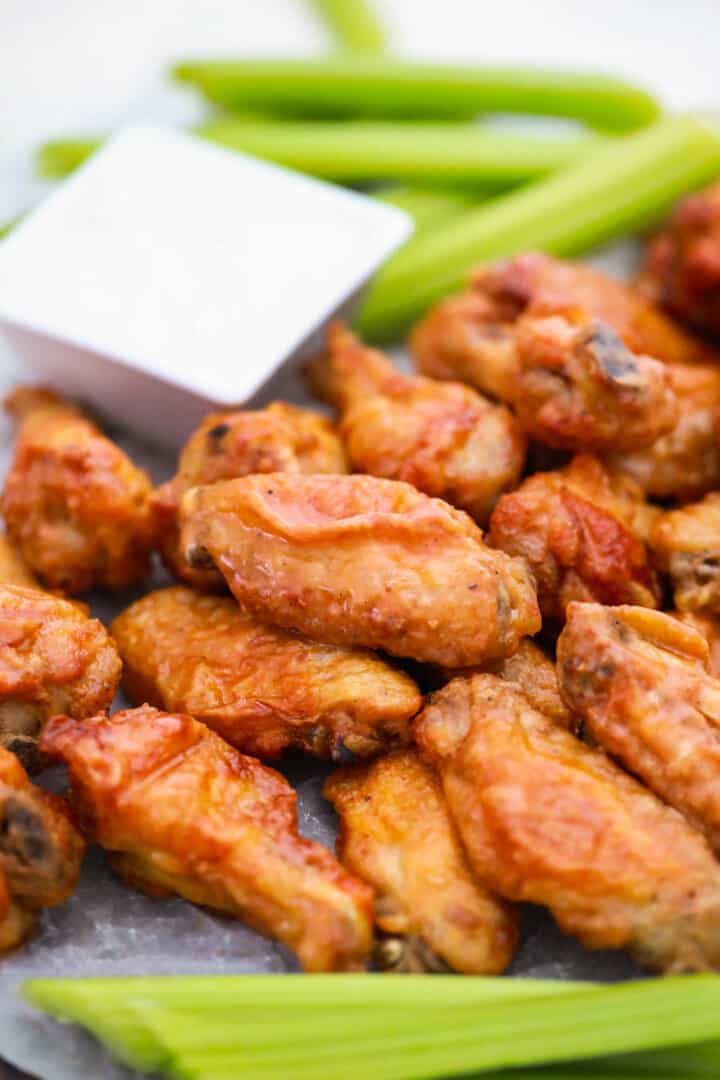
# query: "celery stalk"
[627,184]
[428,206]
[353,24]
[352,84]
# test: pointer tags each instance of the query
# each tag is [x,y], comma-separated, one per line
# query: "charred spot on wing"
[198,556]
[612,356]
[216,434]
[23,836]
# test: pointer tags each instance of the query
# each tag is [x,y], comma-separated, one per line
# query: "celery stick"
[387,87]
[460,154]
[428,206]
[353,23]
[625,185]
[7,226]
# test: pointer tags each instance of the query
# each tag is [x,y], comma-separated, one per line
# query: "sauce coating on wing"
[181,812]
[356,560]
[279,438]
[396,834]
[685,544]
[580,529]
[639,680]
[261,688]
[53,659]
[443,438]
[75,506]
[546,819]
[40,852]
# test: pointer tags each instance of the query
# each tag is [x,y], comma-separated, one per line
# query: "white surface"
[198,265]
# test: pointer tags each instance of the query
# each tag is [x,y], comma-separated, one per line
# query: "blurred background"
[84,66]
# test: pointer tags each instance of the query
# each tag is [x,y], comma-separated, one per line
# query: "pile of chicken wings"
[489,591]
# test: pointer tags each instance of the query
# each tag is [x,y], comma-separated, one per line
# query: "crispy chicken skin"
[74,504]
[13,568]
[685,544]
[261,688]
[442,437]
[40,852]
[355,560]
[546,819]
[534,673]
[279,438]
[682,267]
[580,529]
[53,659]
[396,834]
[639,681]
[709,627]
[468,336]
[684,463]
[182,812]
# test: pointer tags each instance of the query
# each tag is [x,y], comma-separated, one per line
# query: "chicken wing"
[442,437]
[262,689]
[535,674]
[685,544]
[548,820]
[685,463]
[682,267]
[13,568]
[53,659]
[709,627]
[355,560]
[75,505]
[580,529]
[468,336]
[40,852]
[280,438]
[639,681]
[396,834]
[181,812]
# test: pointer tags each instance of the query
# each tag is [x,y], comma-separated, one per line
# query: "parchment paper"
[108,929]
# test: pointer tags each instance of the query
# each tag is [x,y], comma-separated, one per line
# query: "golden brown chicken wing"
[280,438]
[355,560]
[535,674]
[685,544]
[709,627]
[682,267]
[75,505]
[13,568]
[463,337]
[261,688]
[442,437]
[53,659]
[685,463]
[182,812]
[580,529]
[548,820]
[40,852]
[639,680]
[396,834]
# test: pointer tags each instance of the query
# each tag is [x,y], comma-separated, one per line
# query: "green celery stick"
[353,23]
[452,154]
[387,87]
[625,185]
[428,206]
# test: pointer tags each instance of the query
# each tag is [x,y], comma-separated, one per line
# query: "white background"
[85,65]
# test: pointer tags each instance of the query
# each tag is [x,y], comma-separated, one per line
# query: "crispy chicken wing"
[182,812]
[279,438]
[442,437]
[682,267]
[53,659]
[40,852]
[468,336]
[685,544]
[709,627]
[639,681]
[535,674]
[355,560]
[685,463]
[548,820]
[261,688]
[580,529]
[75,505]
[13,568]
[396,834]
